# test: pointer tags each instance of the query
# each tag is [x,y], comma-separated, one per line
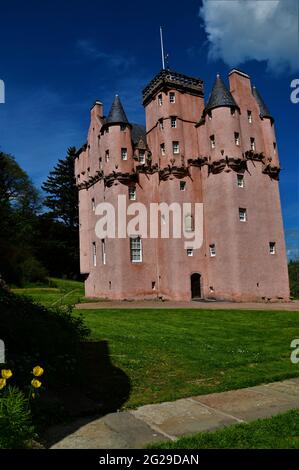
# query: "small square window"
[237,138]
[162,149]
[182,185]
[160,100]
[173,122]
[212,250]
[212,141]
[249,116]
[189,251]
[242,215]
[272,248]
[172,97]
[132,193]
[175,147]
[124,154]
[141,156]
[252,143]
[240,181]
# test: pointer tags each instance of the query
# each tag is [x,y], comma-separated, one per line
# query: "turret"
[116,140]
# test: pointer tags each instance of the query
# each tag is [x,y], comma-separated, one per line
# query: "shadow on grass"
[102,388]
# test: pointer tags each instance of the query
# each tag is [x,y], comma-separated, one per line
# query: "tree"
[62,192]
[60,225]
[294,278]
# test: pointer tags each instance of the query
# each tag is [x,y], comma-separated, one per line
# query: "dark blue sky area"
[57,58]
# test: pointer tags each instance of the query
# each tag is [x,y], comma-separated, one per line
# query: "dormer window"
[141,156]
[160,100]
[171,97]
[212,141]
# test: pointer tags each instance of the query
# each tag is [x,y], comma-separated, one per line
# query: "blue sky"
[57,58]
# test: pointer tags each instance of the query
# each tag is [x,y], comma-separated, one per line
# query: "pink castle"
[222,154]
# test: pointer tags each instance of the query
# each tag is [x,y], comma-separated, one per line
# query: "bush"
[16,429]
[33,271]
[34,334]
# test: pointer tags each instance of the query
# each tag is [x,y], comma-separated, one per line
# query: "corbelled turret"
[264,111]
[220,97]
[117,114]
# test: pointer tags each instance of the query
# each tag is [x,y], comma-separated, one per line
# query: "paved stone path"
[105,304]
[167,421]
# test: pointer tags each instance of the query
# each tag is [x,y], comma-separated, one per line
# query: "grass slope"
[279,432]
[178,353]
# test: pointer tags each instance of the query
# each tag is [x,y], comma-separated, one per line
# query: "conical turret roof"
[264,111]
[117,113]
[220,96]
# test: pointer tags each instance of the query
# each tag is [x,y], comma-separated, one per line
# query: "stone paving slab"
[113,431]
[151,423]
[182,417]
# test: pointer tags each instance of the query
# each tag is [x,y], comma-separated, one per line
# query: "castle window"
[274,147]
[94,253]
[249,116]
[212,250]
[189,226]
[252,143]
[132,193]
[161,124]
[124,154]
[210,115]
[212,141]
[107,130]
[237,138]
[93,204]
[189,251]
[162,149]
[175,147]
[182,185]
[160,100]
[141,156]
[136,249]
[240,181]
[272,248]
[173,122]
[123,127]
[103,251]
[232,111]
[242,215]
[107,156]
[172,97]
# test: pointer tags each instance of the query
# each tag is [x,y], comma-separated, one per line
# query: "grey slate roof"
[138,132]
[264,111]
[220,96]
[117,113]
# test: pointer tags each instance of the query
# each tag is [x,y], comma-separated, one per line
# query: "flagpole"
[162,48]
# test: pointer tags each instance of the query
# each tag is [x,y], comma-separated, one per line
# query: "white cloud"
[89,49]
[262,30]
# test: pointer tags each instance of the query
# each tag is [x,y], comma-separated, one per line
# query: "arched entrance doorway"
[195,286]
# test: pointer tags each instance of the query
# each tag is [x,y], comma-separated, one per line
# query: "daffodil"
[38,371]
[6,373]
[2,383]
[36,383]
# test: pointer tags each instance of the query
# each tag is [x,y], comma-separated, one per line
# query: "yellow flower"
[36,383]
[38,371]
[6,373]
[2,383]
[33,395]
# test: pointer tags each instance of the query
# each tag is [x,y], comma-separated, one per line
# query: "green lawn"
[169,354]
[58,292]
[279,432]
